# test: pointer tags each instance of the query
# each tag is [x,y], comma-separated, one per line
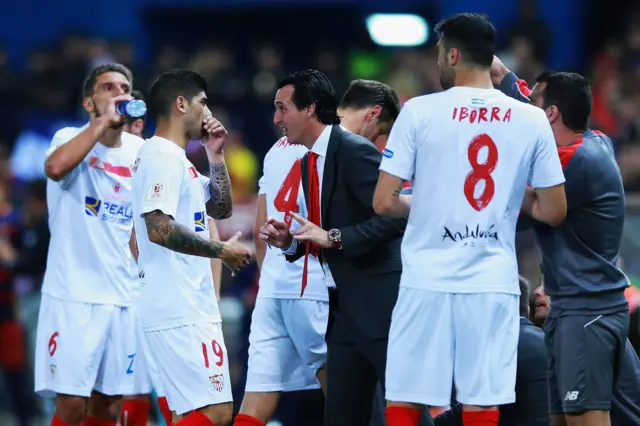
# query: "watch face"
[335,235]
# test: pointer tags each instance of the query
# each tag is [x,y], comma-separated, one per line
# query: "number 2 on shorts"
[481,172]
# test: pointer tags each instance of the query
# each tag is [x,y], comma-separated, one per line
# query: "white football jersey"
[281,182]
[90,219]
[178,288]
[469,154]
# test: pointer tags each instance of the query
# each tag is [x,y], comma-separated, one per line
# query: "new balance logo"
[571,396]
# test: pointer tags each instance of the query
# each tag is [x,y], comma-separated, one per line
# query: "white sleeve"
[204,181]
[546,169]
[262,188]
[399,157]
[162,177]
[61,137]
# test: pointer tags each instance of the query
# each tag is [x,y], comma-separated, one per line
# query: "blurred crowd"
[46,95]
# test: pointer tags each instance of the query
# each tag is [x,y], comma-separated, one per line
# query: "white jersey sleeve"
[60,138]
[546,169]
[162,181]
[399,157]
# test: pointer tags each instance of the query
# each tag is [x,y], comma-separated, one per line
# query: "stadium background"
[243,48]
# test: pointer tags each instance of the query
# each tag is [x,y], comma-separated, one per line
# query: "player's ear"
[88,105]
[182,104]
[374,113]
[553,113]
[453,56]
[310,110]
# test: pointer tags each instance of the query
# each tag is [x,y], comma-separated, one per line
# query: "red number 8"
[217,351]
[481,172]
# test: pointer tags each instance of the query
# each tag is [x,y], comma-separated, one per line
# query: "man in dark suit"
[359,251]
[532,406]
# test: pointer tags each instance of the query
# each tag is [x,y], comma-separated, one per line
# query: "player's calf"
[589,418]
[70,410]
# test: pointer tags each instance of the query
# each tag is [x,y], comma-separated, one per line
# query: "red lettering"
[494,114]
[464,113]
[455,112]
[483,114]
[474,115]
[507,116]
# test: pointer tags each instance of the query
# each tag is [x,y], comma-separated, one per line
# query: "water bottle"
[132,109]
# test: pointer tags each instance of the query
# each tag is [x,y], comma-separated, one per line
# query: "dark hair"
[524,297]
[471,33]
[313,87]
[571,94]
[369,93]
[172,84]
[90,82]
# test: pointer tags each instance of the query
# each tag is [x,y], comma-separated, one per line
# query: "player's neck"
[380,142]
[473,77]
[112,138]
[566,136]
[176,135]
[314,130]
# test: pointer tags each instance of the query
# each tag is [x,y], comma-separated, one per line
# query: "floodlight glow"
[397,29]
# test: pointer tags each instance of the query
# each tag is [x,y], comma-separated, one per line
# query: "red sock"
[244,420]
[57,422]
[165,410]
[92,421]
[480,418]
[402,416]
[196,418]
[135,412]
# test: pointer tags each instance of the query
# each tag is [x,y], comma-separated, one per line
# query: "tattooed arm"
[166,232]
[220,205]
[388,200]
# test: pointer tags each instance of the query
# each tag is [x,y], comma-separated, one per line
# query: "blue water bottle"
[132,109]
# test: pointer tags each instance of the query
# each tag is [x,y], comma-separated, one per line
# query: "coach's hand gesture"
[215,135]
[276,233]
[234,254]
[309,231]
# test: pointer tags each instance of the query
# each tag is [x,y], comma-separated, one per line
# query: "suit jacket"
[532,406]
[367,268]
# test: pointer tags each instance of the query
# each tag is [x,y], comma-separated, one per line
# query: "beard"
[447,78]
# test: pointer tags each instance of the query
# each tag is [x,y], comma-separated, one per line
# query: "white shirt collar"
[322,143]
[167,144]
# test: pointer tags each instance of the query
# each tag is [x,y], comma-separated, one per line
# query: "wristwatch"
[335,238]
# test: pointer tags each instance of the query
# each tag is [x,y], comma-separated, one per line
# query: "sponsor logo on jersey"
[108,211]
[200,221]
[470,237]
[387,153]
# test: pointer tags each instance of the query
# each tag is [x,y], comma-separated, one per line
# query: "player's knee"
[588,418]
[104,406]
[70,409]
[219,414]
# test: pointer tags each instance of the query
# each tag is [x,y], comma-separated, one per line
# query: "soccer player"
[180,315]
[287,349]
[458,252]
[625,402]
[85,325]
[587,327]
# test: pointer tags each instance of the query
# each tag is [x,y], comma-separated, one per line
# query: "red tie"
[314,211]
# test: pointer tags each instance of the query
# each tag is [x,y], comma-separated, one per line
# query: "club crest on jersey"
[217,381]
[156,192]
[116,187]
[200,221]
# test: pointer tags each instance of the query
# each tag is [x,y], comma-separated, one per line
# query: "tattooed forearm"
[220,204]
[398,190]
[165,231]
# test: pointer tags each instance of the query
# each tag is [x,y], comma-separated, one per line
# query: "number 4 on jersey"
[286,200]
[481,172]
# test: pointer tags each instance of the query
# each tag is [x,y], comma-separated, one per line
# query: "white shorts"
[82,347]
[192,364]
[139,374]
[437,339]
[286,344]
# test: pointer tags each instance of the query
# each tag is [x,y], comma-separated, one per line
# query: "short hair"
[369,93]
[571,94]
[171,84]
[313,87]
[524,297]
[473,34]
[90,82]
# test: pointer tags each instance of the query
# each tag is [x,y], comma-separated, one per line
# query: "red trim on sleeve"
[524,88]
[598,132]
